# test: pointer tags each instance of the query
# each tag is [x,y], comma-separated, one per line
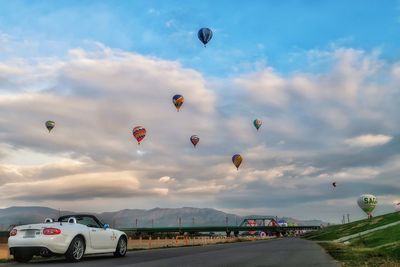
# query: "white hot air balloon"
[367,203]
[396,204]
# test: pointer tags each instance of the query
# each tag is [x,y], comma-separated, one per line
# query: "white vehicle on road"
[73,236]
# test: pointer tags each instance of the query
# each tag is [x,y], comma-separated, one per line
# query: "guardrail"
[4,234]
[228,229]
[204,229]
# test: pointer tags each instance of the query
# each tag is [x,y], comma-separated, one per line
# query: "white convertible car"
[73,236]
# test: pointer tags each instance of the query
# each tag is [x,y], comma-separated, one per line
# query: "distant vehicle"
[72,236]
[282,223]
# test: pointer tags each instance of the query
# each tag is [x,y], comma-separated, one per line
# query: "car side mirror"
[105,226]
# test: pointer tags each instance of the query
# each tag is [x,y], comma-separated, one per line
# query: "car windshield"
[89,221]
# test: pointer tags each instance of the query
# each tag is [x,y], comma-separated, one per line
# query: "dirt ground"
[3,251]
[163,242]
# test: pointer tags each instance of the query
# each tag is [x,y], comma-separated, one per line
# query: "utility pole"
[348,218]
[136,222]
[193,221]
[226,220]
[180,222]
[343,220]
[152,223]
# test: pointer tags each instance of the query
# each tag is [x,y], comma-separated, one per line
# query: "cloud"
[266,86]
[81,186]
[166,179]
[97,96]
[368,140]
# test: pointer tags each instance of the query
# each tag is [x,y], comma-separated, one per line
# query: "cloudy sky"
[323,77]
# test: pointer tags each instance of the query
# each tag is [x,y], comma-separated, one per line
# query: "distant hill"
[127,217]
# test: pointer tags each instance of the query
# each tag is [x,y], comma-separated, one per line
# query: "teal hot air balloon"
[257,123]
[50,125]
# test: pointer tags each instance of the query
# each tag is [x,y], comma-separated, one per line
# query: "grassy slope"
[337,231]
[379,248]
[353,256]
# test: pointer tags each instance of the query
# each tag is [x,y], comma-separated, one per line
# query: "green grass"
[337,231]
[354,256]
[385,237]
[379,248]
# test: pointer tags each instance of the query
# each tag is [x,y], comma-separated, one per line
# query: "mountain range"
[129,218]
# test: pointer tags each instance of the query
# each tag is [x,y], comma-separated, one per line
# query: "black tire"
[122,247]
[76,249]
[22,256]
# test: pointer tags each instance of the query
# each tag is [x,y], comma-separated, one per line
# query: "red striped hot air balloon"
[139,133]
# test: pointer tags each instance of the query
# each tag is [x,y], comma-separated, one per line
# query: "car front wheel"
[121,247]
[76,249]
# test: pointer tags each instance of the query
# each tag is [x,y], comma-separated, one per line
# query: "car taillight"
[13,232]
[51,231]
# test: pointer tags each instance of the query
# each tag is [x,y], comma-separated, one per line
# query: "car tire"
[122,247]
[22,256]
[76,249]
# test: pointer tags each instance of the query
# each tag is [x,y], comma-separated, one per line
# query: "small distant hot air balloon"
[50,125]
[257,123]
[334,184]
[178,101]
[237,160]
[367,203]
[194,139]
[139,133]
[396,204]
[205,35]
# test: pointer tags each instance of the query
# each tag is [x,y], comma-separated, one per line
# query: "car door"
[101,238]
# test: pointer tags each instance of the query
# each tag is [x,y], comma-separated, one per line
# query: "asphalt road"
[281,252]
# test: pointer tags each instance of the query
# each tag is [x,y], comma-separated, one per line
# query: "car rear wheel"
[22,256]
[76,249]
[121,247]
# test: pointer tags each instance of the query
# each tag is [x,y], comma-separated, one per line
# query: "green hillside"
[377,248]
[338,231]
[383,238]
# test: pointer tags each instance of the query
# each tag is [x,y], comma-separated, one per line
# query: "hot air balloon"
[139,133]
[396,204]
[50,125]
[204,35]
[367,203]
[178,101]
[237,160]
[194,139]
[257,123]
